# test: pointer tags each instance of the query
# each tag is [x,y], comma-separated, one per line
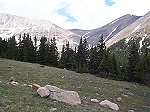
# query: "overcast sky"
[75,14]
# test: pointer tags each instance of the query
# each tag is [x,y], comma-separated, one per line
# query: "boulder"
[94,100]
[43,92]
[53,110]
[131,111]
[110,105]
[35,87]
[12,79]
[70,97]
[14,83]
[119,99]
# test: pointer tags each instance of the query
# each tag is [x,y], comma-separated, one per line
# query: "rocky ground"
[94,92]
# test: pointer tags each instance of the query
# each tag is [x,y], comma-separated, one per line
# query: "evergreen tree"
[69,54]
[82,56]
[53,57]
[143,68]
[102,55]
[132,63]
[93,64]
[27,51]
[42,51]
[3,47]
[62,58]
[12,48]
[21,52]
[113,69]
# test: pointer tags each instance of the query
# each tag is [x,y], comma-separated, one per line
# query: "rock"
[14,83]
[53,109]
[131,111]
[35,87]
[109,104]
[43,92]
[70,97]
[124,95]
[119,99]
[12,79]
[94,100]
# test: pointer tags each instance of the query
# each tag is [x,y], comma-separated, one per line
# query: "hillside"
[108,30]
[139,27]
[22,99]
[16,25]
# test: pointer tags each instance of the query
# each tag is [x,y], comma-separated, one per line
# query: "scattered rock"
[94,100]
[119,99]
[24,85]
[14,83]
[106,82]
[12,79]
[109,104]
[124,95]
[29,86]
[131,111]
[43,92]
[53,109]
[70,97]
[35,87]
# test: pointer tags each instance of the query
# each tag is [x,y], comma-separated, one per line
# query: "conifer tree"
[12,48]
[3,47]
[82,56]
[69,54]
[42,51]
[62,58]
[132,63]
[102,56]
[93,64]
[53,57]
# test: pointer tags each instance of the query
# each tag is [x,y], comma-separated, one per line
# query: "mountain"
[14,25]
[140,28]
[108,30]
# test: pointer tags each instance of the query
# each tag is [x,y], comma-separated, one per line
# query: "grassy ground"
[23,99]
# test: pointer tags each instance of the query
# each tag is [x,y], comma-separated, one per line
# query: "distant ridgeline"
[128,59]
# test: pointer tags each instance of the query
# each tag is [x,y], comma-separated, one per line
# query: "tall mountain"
[139,28]
[14,25]
[108,30]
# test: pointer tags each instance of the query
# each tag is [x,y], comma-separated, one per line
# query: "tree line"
[96,59]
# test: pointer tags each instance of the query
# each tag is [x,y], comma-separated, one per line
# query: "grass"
[22,99]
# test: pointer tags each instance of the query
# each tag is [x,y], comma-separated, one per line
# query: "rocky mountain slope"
[14,25]
[108,30]
[140,28]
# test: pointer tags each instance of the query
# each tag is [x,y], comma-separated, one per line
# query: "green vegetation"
[22,99]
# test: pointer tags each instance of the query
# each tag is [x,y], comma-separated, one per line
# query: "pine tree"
[62,58]
[12,50]
[82,56]
[42,51]
[21,52]
[3,47]
[132,63]
[93,64]
[69,56]
[113,69]
[102,55]
[143,68]
[53,53]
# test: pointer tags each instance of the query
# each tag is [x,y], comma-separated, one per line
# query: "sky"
[75,14]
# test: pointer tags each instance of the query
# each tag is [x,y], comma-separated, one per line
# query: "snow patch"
[136,28]
[110,33]
[83,36]
[142,41]
[127,40]
[114,21]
